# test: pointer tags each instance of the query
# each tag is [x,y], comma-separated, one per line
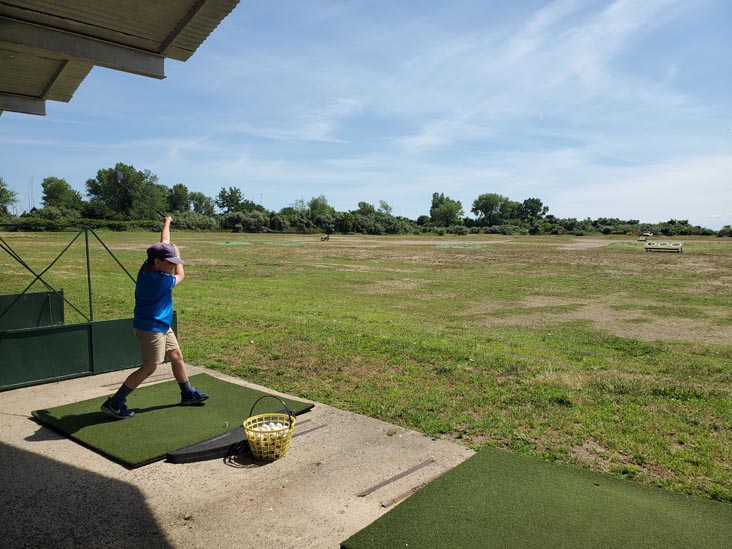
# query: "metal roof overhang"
[48,47]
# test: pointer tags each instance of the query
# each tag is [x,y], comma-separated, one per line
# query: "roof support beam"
[52,81]
[99,52]
[195,8]
[19,103]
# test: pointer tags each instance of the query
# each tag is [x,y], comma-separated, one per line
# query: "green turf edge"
[497,499]
[140,440]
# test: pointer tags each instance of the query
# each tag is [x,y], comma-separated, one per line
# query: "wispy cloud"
[318,124]
[563,58]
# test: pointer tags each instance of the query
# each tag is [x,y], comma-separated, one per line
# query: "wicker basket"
[269,445]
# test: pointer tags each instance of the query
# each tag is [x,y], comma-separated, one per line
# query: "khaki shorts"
[154,345]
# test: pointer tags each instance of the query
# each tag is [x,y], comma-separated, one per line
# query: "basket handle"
[287,409]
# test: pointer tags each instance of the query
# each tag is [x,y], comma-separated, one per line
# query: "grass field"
[584,351]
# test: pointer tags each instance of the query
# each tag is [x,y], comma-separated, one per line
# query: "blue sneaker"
[120,413]
[192,398]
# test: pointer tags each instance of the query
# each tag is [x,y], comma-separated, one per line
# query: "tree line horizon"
[123,198]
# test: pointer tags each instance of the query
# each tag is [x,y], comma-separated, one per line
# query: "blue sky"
[598,108]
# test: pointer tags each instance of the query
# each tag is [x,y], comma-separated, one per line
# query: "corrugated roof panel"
[195,33]
[151,20]
[25,75]
[69,80]
[127,21]
[79,23]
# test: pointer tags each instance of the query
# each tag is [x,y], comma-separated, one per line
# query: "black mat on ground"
[217,447]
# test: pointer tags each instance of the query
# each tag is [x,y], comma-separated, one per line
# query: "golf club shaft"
[153,208]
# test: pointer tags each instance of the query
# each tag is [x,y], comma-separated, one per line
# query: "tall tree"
[127,193]
[533,209]
[201,203]
[179,199]
[7,197]
[489,208]
[322,214]
[230,200]
[58,193]
[299,206]
[511,211]
[319,207]
[385,208]
[364,208]
[445,212]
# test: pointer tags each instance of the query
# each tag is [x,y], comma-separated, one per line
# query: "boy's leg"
[188,394]
[175,356]
[177,365]
[138,376]
[152,349]
[116,405]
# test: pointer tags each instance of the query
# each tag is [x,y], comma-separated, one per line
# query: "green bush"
[459,230]
[193,221]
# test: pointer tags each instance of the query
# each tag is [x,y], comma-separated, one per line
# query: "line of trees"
[123,198]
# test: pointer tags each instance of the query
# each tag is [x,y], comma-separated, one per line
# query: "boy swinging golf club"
[156,279]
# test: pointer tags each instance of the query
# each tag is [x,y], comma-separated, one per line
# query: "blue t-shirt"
[153,300]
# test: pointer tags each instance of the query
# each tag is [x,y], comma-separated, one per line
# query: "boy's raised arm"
[180,273]
[165,234]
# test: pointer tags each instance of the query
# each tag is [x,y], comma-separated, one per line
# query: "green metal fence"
[31,310]
[31,356]
[37,347]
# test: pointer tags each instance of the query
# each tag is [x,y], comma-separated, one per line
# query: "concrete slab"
[343,471]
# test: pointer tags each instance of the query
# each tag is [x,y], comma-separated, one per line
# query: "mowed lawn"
[579,350]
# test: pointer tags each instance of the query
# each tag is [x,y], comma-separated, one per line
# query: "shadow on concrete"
[48,504]
[43,434]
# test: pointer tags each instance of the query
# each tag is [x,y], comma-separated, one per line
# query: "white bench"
[664,246]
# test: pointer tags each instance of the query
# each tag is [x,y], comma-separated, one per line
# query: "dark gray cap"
[164,251]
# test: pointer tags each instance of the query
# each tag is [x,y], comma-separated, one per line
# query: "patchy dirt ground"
[607,314]
[616,313]
[587,243]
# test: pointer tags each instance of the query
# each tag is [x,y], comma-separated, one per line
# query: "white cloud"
[562,62]
[652,192]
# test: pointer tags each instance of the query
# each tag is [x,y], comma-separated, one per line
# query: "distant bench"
[664,246]
[325,237]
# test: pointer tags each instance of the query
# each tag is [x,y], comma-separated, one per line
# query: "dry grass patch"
[624,318]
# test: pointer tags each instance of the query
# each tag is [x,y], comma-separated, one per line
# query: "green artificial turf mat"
[496,499]
[160,424]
